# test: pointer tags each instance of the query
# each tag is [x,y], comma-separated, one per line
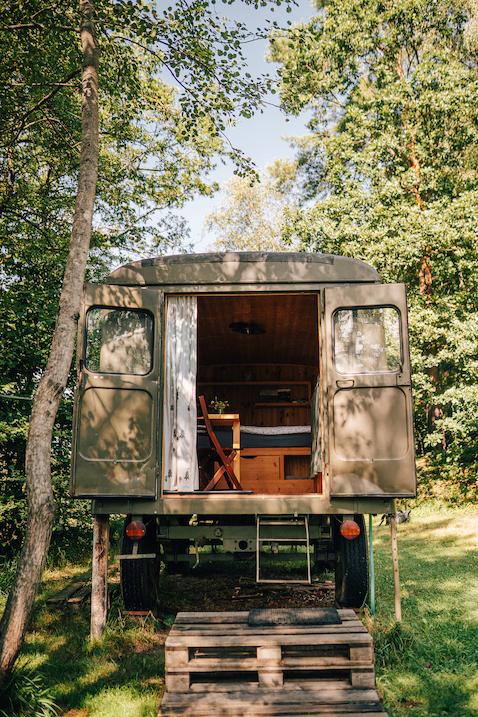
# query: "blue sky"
[260,137]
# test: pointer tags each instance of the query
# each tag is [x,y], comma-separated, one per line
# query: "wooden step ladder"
[219,665]
[282,530]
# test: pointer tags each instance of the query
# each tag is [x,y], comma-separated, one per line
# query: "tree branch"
[40,103]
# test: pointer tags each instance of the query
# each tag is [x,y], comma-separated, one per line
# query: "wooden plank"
[178,641]
[251,664]
[287,711]
[80,595]
[277,451]
[177,682]
[238,616]
[362,678]
[295,695]
[312,710]
[70,589]
[211,617]
[298,685]
[217,629]
[229,626]
[273,703]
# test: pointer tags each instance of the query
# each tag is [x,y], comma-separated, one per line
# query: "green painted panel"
[116,425]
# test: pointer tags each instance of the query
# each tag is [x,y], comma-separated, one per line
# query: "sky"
[260,137]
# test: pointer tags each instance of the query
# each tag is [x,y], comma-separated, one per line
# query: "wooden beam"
[99,577]
[396,577]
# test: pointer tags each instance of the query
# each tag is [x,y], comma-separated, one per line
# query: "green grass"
[124,675]
[426,666]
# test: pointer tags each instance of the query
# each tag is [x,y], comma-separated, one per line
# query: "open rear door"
[370,441]
[115,425]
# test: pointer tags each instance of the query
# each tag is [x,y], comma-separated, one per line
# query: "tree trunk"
[41,505]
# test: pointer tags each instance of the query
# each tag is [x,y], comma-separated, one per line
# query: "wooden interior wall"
[234,366]
[228,383]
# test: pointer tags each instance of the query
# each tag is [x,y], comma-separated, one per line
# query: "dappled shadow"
[430,669]
[131,657]
[132,654]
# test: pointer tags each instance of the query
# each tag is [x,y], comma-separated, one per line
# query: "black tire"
[351,567]
[140,578]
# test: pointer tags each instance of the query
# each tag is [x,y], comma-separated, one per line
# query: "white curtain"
[180,469]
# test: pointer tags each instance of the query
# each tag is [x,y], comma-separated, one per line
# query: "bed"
[262,437]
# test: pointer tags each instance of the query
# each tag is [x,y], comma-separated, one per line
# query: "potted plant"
[219,405]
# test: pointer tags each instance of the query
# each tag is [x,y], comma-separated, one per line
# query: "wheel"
[351,566]
[140,578]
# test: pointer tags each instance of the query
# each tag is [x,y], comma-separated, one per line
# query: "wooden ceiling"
[289,320]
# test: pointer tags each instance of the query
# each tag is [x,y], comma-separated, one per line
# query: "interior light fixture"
[242,327]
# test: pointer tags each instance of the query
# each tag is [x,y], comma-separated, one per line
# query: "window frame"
[398,369]
[123,309]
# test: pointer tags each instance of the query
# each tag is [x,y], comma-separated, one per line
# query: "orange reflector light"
[349,529]
[135,530]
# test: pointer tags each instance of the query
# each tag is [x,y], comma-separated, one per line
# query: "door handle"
[345,383]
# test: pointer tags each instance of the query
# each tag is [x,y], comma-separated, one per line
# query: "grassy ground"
[427,666]
[121,677]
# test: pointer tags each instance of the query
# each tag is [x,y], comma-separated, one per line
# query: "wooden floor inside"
[217,664]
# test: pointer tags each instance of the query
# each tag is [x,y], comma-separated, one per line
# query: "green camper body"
[328,348]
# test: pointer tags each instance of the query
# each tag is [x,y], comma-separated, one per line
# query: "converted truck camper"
[309,351]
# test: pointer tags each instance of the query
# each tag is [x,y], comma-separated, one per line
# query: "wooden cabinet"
[277,471]
[248,399]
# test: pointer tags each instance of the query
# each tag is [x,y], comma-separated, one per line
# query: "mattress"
[262,437]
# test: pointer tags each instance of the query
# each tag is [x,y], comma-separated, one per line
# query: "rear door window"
[367,340]
[119,341]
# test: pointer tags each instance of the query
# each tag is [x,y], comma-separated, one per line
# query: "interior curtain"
[180,413]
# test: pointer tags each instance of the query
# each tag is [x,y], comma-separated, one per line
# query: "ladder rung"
[292,522]
[283,540]
[283,522]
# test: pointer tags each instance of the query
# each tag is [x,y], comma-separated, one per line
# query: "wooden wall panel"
[227,383]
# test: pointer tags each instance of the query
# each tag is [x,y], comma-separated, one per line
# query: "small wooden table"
[230,420]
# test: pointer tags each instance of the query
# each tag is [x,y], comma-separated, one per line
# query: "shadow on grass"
[426,667]
[127,667]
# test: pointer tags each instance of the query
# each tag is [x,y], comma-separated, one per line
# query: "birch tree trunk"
[41,505]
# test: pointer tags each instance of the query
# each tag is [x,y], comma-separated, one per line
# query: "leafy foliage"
[24,694]
[157,145]
[388,175]
[250,216]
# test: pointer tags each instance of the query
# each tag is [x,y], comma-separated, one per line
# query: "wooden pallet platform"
[219,665]
[324,702]
[201,649]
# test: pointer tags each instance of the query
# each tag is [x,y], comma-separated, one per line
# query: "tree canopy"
[388,174]
[250,216]
[171,82]
[156,146]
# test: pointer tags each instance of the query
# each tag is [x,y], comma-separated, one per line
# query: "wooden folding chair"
[225,469]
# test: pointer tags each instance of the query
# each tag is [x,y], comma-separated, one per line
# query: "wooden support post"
[396,578]
[372,566]
[99,576]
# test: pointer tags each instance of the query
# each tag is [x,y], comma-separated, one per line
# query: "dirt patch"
[228,588]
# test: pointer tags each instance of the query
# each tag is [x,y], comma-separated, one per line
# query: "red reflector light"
[135,530]
[349,529]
